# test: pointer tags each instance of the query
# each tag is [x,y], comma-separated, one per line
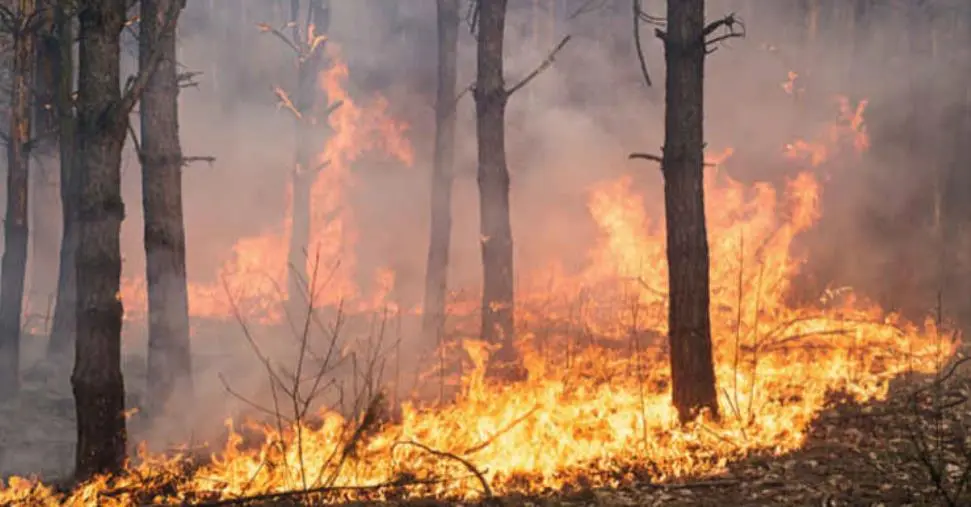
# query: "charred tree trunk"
[14,263]
[436,275]
[63,330]
[305,167]
[491,98]
[99,389]
[689,320]
[169,358]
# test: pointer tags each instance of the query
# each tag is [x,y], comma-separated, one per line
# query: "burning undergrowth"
[595,409]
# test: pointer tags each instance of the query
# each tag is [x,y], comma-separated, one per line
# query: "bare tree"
[689,319]
[14,263]
[308,46]
[169,357]
[102,124]
[687,40]
[65,306]
[491,97]
[436,275]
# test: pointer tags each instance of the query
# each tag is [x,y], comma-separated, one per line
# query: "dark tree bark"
[99,389]
[102,124]
[491,97]
[689,320]
[436,275]
[305,167]
[65,306]
[13,267]
[169,357]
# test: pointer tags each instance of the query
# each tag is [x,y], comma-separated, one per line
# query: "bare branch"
[660,160]
[207,159]
[637,42]
[265,28]
[646,156]
[734,26]
[542,66]
[188,79]
[137,85]
[286,103]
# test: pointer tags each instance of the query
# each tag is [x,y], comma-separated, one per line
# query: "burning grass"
[595,410]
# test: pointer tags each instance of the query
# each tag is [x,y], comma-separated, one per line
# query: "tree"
[13,267]
[43,188]
[491,97]
[686,43]
[65,306]
[689,319]
[436,275]
[169,357]
[308,45]
[102,124]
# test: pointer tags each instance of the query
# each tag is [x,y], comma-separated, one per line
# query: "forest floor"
[914,448]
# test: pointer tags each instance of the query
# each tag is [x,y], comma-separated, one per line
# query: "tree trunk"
[14,263]
[491,98]
[43,191]
[99,389]
[63,330]
[436,275]
[305,165]
[689,321]
[48,54]
[169,358]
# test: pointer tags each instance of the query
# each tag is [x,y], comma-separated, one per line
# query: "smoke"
[570,128]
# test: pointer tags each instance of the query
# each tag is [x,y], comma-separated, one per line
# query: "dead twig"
[487,442]
[265,28]
[542,66]
[486,489]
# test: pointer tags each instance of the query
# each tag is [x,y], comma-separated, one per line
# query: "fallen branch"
[486,489]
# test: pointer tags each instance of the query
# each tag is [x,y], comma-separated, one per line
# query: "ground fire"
[596,407]
[342,422]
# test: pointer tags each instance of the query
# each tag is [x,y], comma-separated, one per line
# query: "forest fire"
[253,278]
[597,402]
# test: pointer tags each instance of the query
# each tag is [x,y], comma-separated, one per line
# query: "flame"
[596,407]
[252,280]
